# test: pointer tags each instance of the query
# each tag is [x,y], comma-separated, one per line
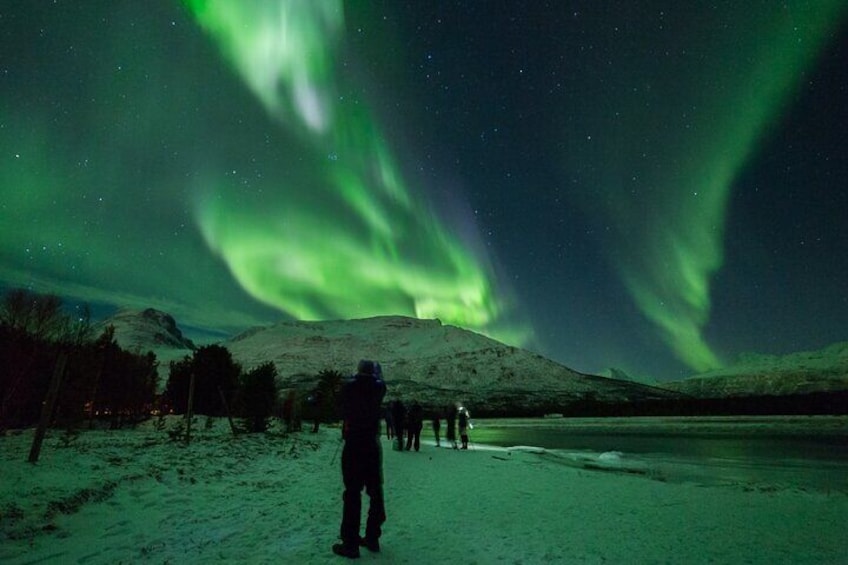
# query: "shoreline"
[789,424]
[134,496]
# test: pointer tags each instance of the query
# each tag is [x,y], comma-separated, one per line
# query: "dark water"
[760,452]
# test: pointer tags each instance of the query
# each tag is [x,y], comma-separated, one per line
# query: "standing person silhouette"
[437,426]
[399,421]
[390,425]
[413,426]
[464,424]
[362,460]
[451,418]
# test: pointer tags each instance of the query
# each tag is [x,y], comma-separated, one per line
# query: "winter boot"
[349,551]
[372,544]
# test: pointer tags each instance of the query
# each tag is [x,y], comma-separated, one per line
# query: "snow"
[136,496]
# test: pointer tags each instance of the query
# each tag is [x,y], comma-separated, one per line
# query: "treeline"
[40,343]
[222,388]
[98,381]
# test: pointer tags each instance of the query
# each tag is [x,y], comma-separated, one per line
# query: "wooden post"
[47,407]
[190,408]
[227,410]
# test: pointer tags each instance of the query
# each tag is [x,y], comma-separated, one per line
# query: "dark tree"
[75,394]
[326,396]
[26,364]
[176,389]
[33,329]
[215,374]
[258,396]
[104,381]
[126,384]
[39,316]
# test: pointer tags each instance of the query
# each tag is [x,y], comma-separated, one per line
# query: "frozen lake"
[806,453]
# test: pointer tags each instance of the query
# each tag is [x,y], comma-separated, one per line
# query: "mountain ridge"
[753,374]
[435,362]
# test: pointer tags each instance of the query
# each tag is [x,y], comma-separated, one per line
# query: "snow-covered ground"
[139,497]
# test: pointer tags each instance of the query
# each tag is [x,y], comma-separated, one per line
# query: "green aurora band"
[346,237]
[666,238]
[114,156]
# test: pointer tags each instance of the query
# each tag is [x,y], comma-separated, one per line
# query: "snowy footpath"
[137,496]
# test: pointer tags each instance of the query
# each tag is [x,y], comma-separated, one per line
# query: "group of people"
[362,464]
[400,421]
[455,416]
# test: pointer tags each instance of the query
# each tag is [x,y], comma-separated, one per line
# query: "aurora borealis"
[647,186]
[347,238]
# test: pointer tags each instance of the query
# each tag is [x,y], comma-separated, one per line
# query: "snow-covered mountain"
[140,331]
[797,373]
[430,362]
[437,364]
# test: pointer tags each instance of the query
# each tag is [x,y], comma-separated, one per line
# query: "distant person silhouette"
[398,419]
[451,418]
[437,427]
[415,421]
[362,460]
[464,423]
[314,401]
[390,425]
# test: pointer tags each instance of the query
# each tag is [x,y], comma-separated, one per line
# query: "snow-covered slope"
[753,374]
[428,361]
[436,363]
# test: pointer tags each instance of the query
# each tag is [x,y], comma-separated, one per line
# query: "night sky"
[655,186]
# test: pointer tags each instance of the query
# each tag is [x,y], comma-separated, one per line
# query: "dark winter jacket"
[362,398]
